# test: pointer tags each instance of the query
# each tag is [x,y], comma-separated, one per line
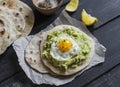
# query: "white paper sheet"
[38,78]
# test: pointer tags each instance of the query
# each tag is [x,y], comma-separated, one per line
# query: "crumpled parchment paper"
[38,78]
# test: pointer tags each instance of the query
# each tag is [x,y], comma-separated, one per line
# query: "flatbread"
[32,54]
[20,19]
[24,9]
[27,13]
[6,3]
[15,17]
[11,23]
[70,71]
[5,26]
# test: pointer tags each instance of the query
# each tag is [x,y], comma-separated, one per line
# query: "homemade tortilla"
[10,22]
[27,13]
[15,17]
[70,71]
[5,33]
[32,54]
[24,9]
[18,19]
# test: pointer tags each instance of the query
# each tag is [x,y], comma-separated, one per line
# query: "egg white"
[62,56]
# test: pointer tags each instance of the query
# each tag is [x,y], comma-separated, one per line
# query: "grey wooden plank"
[8,61]
[104,34]
[105,10]
[8,64]
[110,79]
[109,36]
[18,80]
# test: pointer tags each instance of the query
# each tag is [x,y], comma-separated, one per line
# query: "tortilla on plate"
[70,71]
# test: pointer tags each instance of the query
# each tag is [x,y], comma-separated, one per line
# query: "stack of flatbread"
[16,20]
[34,58]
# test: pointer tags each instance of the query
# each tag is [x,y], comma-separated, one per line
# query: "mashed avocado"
[75,60]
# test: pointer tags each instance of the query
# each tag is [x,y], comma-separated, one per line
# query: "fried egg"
[64,47]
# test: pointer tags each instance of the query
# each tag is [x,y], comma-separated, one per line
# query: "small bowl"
[47,11]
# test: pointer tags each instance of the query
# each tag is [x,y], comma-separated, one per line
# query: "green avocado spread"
[75,60]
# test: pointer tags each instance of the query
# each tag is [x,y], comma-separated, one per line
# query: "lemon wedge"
[72,5]
[88,19]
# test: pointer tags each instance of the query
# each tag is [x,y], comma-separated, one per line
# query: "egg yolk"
[64,45]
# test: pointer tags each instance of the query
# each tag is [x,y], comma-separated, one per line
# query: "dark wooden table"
[107,31]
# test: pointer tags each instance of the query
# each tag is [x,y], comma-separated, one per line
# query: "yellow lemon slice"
[88,19]
[72,5]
